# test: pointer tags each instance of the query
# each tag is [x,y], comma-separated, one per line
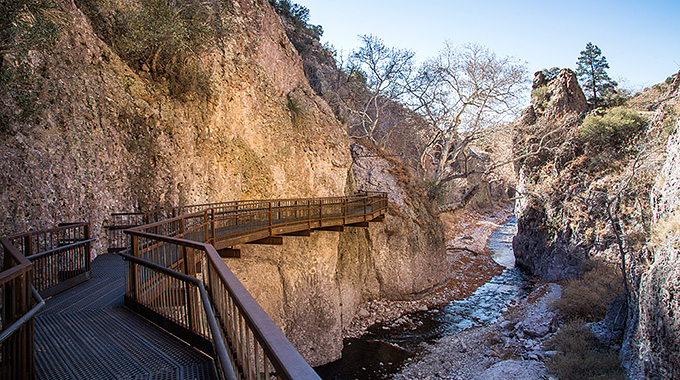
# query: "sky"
[640,39]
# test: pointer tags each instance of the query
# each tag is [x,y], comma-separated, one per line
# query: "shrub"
[579,357]
[613,130]
[539,95]
[588,297]
[551,73]
[299,15]
[166,38]
[25,26]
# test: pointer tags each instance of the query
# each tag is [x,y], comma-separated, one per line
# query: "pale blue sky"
[641,39]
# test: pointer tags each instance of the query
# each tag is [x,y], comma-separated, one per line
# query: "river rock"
[515,369]
[539,325]
[363,313]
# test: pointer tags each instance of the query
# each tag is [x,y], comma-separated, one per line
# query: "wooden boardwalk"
[87,333]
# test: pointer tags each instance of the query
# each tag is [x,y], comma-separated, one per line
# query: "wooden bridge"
[171,272]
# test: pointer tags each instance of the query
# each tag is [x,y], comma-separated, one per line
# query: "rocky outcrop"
[652,346]
[544,244]
[110,136]
[578,202]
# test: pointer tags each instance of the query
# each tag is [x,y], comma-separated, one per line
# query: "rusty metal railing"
[189,244]
[17,356]
[61,256]
[328,206]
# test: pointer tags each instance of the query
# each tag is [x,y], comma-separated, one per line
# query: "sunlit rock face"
[543,246]
[109,137]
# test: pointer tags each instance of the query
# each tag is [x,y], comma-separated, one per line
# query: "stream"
[384,349]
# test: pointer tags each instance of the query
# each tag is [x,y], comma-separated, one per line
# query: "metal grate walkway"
[86,333]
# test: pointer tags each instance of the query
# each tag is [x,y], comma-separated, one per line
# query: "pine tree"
[590,68]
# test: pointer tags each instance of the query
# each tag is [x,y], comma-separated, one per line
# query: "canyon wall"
[546,244]
[652,346]
[617,204]
[110,135]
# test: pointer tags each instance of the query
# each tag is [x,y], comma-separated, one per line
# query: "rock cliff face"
[652,346]
[577,202]
[544,244]
[110,137]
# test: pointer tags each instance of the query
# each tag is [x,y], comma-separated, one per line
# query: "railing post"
[206,226]
[344,211]
[320,213]
[181,228]
[212,224]
[270,218]
[87,248]
[133,267]
[28,245]
[364,208]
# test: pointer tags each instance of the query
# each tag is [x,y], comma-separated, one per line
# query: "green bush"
[613,130]
[166,38]
[538,94]
[25,26]
[299,15]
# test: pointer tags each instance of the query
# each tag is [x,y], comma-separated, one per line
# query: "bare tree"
[463,92]
[383,71]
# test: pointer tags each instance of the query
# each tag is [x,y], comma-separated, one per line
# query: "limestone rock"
[544,245]
[515,370]
[652,342]
[540,324]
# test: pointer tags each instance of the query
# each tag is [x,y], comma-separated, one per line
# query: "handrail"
[16,325]
[218,342]
[60,255]
[266,219]
[60,249]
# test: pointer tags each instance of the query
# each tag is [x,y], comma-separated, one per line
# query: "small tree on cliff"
[463,93]
[591,70]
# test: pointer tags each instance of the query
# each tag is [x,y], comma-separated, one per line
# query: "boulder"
[515,369]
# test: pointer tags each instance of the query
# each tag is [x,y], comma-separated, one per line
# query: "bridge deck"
[86,333]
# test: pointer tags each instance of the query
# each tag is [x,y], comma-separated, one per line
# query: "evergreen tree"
[590,68]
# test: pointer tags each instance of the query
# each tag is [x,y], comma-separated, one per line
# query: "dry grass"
[579,356]
[589,296]
[666,227]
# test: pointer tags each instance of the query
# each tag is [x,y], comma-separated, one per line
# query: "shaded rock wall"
[652,346]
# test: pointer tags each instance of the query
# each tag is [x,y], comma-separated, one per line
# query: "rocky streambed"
[385,348]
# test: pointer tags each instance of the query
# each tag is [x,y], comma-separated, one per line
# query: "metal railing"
[61,256]
[35,264]
[314,207]
[189,244]
[17,357]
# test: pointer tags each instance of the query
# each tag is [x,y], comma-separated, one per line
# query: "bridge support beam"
[229,252]
[297,233]
[272,240]
[331,228]
[360,224]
